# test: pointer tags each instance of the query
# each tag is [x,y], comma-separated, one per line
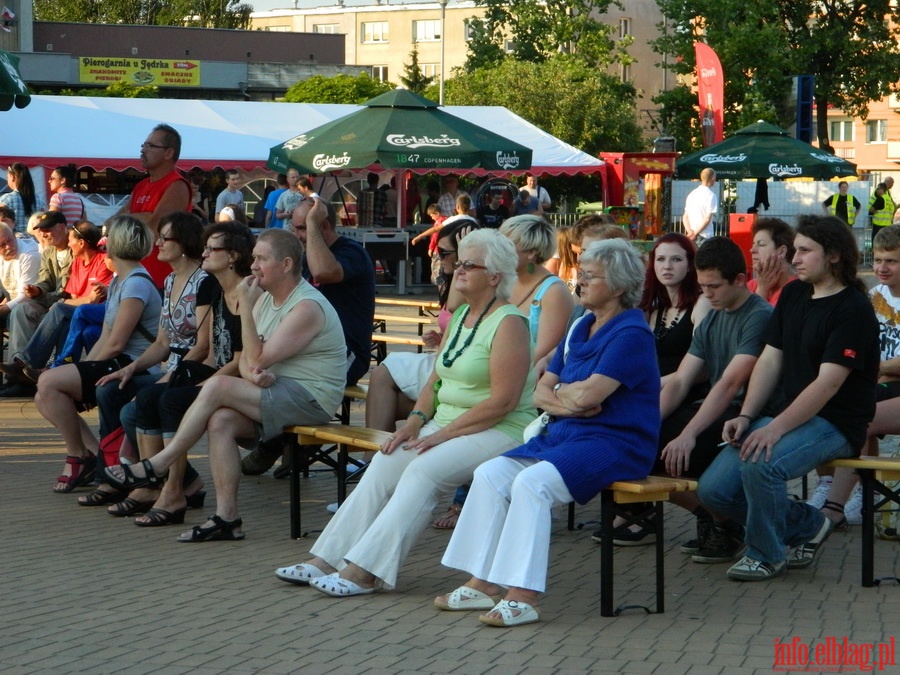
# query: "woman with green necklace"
[475,407]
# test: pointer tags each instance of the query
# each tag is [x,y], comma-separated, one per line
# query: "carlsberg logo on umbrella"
[507,161]
[831,159]
[723,159]
[296,142]
[412,142]
[330,162]
[785,170]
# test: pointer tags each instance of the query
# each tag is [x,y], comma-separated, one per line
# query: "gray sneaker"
[724,543]
[748,569]
[806,554]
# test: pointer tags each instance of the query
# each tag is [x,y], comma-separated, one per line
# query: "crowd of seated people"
[647,366]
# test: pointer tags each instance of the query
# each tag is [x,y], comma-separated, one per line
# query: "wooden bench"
[873,473]
[655,489]
[380,341]
[425,307]
[380,321]
[348,439]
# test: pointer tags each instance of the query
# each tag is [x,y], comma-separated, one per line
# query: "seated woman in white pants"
[602,391]
[475,406]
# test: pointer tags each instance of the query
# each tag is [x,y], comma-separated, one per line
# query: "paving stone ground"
[86,592]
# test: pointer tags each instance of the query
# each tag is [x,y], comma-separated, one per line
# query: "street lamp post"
[443,4]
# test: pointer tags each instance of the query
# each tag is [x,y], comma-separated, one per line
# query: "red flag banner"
[710,92]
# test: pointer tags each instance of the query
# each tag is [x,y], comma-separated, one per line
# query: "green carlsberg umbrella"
[399,130]
[13,90]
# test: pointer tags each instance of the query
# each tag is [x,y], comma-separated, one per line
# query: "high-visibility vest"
[851,208]
[885,216]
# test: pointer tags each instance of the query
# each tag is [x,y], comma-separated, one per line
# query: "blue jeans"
[84,330]
[49,336]
[756,494]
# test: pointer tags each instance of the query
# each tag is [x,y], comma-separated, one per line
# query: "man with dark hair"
[725,346]
[373,213]
[163,191]
[232,194]
[822,348]
[771,255]
[289,199]
[494,213]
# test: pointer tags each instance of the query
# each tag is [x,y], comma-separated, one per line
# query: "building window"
[431,69]
[380,73]
[625,72]
[278,29]
[842,130]
[624,28]
[509,46]
[876,131]
[375,31]
[330,28]
[471,25]
[427,31]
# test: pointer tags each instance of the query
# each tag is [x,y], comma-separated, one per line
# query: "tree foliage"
[195,13]
[579,104]
[851,46]
[413,78]
[541,30]
[121,89]
[338,89]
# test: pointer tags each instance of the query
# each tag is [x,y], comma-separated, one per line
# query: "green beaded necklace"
[449,361]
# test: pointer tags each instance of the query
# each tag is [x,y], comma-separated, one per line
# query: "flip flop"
[508,617]
[300,574]
[333,585]
[464,599]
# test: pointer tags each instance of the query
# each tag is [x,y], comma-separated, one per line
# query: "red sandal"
[83,470]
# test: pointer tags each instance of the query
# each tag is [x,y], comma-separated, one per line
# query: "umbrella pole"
[343,203]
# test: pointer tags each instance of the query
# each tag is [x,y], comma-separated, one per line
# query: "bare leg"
[385,403]
[148,446]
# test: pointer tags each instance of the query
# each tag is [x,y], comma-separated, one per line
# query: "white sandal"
[300,574]
[336,587]
[464,599]
[508,617]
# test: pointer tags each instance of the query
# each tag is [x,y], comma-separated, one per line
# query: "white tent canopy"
[107,132]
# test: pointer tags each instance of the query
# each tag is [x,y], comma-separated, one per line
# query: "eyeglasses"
[147,144]
[213,249]
[444,252]
[164,239]
[588,276]
[468,265]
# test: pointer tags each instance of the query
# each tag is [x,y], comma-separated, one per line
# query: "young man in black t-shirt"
[822,346]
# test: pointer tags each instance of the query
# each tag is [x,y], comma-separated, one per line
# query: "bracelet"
[420,414]
[748,417]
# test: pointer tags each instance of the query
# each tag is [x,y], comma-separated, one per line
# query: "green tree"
[197,13]
[852,47]
[120,89]
[585,107]
[413,78]
[338,89]
[540,30]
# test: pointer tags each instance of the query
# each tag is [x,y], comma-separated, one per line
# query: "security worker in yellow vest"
[882,206]
[843,205]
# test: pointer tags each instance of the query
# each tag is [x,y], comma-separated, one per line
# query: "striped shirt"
[69,203]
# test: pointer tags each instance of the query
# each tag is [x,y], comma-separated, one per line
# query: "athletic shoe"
[820,494]
[624,536]
[853,507]
[704,527]
[724,543]
[748,569]
[806,554]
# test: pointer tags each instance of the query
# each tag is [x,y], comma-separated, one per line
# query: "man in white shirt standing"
[538,192]
[700,209]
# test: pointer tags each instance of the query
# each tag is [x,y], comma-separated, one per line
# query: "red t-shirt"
[80,278]
[144,199]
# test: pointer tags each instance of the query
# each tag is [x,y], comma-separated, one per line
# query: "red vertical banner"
[710,92]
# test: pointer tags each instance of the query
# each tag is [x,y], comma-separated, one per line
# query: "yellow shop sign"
[157,72]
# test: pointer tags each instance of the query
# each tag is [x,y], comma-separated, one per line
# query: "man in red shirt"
[165,190]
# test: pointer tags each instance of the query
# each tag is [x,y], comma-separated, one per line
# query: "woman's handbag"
[190,374]
[537,427]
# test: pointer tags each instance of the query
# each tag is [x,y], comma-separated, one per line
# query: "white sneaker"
[332,508]
[820,494]
[853,507]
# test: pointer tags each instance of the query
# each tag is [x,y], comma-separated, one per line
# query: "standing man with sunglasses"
[163,191]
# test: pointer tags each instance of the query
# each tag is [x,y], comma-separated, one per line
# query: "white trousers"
[392,505]
[503,533]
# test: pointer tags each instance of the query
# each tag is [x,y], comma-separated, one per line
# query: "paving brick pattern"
[87,592]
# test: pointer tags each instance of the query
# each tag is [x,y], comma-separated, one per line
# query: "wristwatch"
[556,389]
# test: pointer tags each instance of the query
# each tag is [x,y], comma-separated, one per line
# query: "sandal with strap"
[129,507]
[130,481]
[839,525]
[99,497]
[159,517]
[83,471]
[448,520]
[221,530]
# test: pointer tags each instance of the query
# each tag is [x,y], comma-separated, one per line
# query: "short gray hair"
[500,257]
[624,267]
[128,238]
[531,233]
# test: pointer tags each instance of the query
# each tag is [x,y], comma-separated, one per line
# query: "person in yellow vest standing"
[843,205]
[882,206]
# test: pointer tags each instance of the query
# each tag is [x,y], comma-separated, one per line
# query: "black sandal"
[130,507]
[221,530]
[100,497]
[159,517]
[132,482]
[839,525]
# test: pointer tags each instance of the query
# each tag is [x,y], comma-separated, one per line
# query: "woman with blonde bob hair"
[129,326]
[474,407]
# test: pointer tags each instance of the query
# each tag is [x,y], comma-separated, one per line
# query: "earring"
[530,267]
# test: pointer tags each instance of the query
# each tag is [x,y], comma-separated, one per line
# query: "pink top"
[772,299]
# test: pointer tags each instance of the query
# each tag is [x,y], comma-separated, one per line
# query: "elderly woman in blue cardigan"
[602,393]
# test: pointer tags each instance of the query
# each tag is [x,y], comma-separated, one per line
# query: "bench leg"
[342,473]
[296,458]
[660,559]
[867,478]
[607,514]
[571,516]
